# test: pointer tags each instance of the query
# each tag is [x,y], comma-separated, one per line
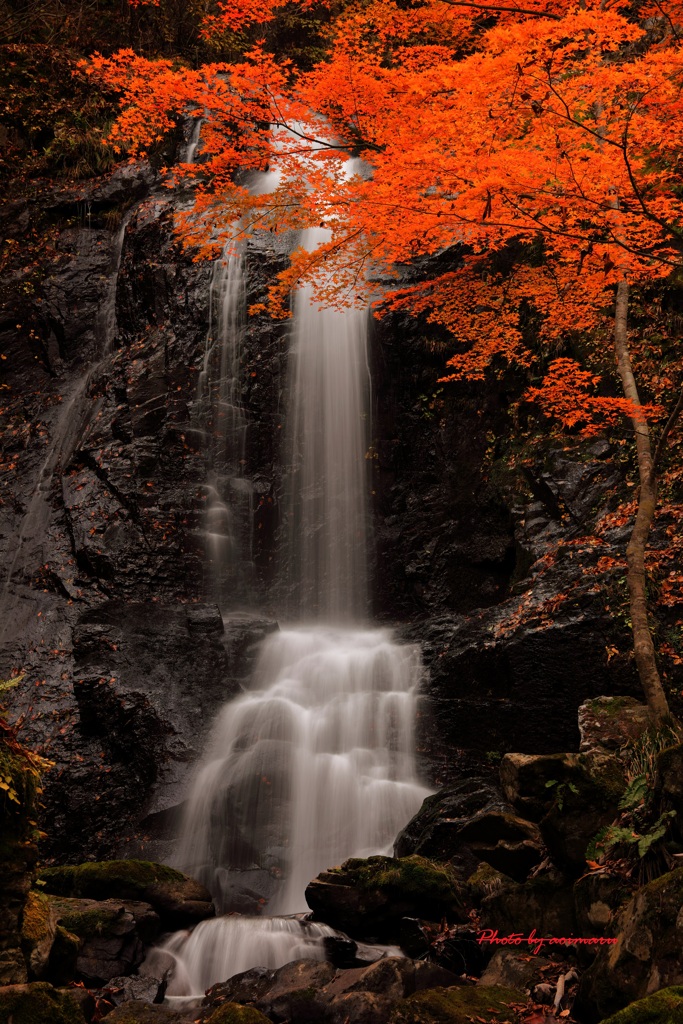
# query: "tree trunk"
[647,499]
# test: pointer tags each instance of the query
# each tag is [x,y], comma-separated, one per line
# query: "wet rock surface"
[307,990]
[467,823]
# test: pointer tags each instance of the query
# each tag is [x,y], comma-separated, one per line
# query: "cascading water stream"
[223,419]
[315,763]
[227,532]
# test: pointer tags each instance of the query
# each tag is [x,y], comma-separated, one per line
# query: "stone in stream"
[369,898]
[315,992]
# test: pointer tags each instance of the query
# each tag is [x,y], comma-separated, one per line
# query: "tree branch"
[495,8]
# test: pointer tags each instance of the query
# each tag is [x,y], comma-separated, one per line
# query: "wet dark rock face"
[102,511]
[101,508]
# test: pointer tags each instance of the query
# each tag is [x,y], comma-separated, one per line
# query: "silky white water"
[222,948]
[327,441]
[315,763]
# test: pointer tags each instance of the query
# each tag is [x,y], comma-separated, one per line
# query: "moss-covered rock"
[646,955]
[486,881]
[367,898]
[179,900]
[664,1007]
[524,779]
[467,823]
[112,935]
[38,1003]
[38,928]
[460,1006]
[233,1013]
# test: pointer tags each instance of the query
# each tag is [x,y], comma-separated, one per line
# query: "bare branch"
[495,8]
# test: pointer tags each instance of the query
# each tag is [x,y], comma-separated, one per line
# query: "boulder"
[664,1007]
[112,935]
[584,803]
[233,1013]
[138,1012]
[179,901]
[609,723]
[368,898]
[314,992]
[467,823]
[38,928]
[646,955]
[669,786]
[141,987]
[38,1003]
[460,1006]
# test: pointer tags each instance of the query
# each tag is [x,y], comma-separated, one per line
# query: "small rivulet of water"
[72,416]
[315,763]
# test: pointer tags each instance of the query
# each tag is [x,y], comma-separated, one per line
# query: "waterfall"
[327,439]
[315,762]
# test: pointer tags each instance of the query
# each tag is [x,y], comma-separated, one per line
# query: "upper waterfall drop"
[326,443]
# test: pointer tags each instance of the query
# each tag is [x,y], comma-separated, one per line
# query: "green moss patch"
[233,1013]
[87,921]
[137,1012]
[664,1007]
[38,1003]
[460,1006]
[414,877]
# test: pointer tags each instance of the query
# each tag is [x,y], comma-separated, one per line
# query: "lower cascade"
[315,763]
[217,950]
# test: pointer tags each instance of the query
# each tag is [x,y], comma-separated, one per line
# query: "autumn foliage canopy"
[539,142]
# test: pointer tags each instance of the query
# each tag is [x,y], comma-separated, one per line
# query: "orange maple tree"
[538,144]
